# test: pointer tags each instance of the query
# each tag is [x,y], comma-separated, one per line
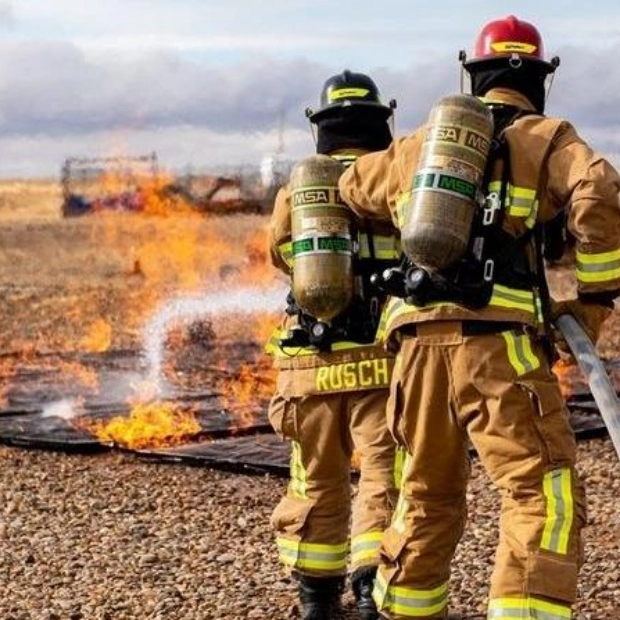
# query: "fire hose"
[595,374]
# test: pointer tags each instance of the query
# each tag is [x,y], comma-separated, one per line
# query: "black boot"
[320,597]
[363,582]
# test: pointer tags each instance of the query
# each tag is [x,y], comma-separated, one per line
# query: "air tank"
[321,238]
[446,185]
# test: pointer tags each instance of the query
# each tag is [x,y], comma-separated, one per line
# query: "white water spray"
[185,310]
[67,409]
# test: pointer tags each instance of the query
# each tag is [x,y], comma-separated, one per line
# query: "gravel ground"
[117,538]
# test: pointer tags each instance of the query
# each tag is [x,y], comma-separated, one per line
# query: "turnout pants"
[498,391]
[312,521]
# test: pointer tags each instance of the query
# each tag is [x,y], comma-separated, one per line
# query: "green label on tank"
[444,183]
[302,246]
[334,244]
[459,186]
[424,180]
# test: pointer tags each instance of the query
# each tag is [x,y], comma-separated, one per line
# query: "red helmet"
[512,39]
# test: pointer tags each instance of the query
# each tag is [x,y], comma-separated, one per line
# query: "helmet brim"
[382,111]
[499,60]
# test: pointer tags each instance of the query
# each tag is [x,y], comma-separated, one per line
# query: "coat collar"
[509,97]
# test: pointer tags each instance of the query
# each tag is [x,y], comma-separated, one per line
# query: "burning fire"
[248,388]
[149,425]
[561,369]
[148,263]
[571,379]
[98,338]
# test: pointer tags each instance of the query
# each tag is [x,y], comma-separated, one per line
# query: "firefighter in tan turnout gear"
[333,378]
[469,318]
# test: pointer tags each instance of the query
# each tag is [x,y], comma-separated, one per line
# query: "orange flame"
[98,338]
[250,386]
[149,425]
[562,370]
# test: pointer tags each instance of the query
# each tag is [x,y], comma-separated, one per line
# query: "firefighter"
[331,393]
[472,361]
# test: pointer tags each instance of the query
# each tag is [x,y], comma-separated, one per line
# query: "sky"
[214,83]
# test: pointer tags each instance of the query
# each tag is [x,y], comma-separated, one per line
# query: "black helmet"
[345,90]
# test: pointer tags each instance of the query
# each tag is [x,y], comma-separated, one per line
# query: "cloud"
[7,15]
[66,101]
[178,148]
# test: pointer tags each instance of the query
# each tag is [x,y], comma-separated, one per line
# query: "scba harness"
[493,255]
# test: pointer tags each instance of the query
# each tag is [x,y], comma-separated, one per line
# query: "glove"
[589,315]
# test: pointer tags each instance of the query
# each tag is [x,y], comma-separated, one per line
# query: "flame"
[98,337]
[139,261]
[149,425]
[562,370]
[242,393]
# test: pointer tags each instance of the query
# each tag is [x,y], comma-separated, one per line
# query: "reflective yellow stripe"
[401,204]
[297,485]
[400,457]
[400,512]
[273,346]
[502,297]
[520,354]
[508,47]
[505,297]
[409,601]
[526,608]
[365,547]
[599,267]
[345,160]
[345,93]
[306,555]
[558,491]
[520,201]
[531,218]
[385,247]
[286,252]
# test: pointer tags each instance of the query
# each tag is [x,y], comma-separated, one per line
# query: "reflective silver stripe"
[410,602]
[385,247]
[520,354]
[365,546]
[599,267]
[527,608]
[520,201]
[312,555]
[297,484]
[557,487]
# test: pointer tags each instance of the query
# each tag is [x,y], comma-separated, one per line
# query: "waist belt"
[471,328]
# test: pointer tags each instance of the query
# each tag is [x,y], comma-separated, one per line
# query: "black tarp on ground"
[253,450]
[36,407]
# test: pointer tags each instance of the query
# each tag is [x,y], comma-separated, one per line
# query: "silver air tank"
[438,218]
[321,238]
